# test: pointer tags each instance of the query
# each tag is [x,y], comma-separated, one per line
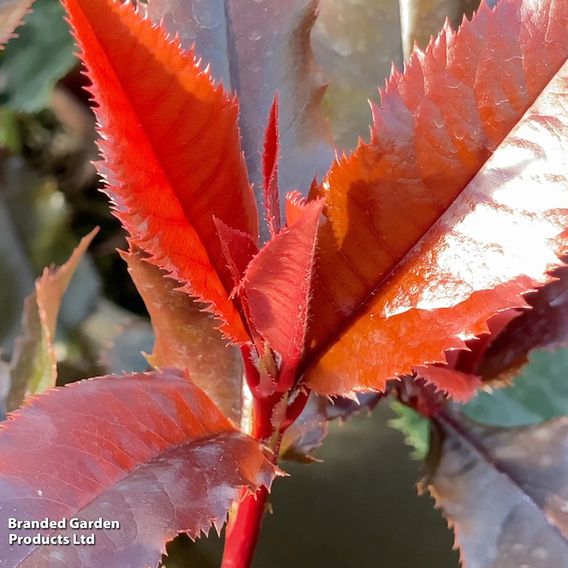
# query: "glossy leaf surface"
[454,209]
[171,149]
[259,50]
[33,368]
[186,338]
[504,491]
[154,454]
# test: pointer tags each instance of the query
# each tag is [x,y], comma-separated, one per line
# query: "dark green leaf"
[539,393]
[33,63]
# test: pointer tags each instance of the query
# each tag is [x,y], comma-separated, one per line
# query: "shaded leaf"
[186,337]
[505,492]
[277,287]
[33,368]
[120,339]
[127,349]
[414,427]
[542,326]
[171,149]
[437,224]
[35,232]
[15,268]
[159,457]
[37,59]
[11,14]
[310,429]
[258,50]
[356,42]
[539,393]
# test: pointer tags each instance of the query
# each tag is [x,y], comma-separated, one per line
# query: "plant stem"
[244,523]
[243,530]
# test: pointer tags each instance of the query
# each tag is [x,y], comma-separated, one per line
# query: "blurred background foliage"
[360,504]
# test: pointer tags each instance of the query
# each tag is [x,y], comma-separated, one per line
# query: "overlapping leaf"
[277,286]
[186,338]
[505,492]
[545,325]
[259,50]
[154,454]
[310,429]
[270,159]
[538,393]
[34,365]
[456,207]
[171,147]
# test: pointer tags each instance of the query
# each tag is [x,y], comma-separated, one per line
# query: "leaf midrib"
[348,321]
[449,422]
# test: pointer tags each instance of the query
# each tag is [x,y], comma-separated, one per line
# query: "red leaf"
[295,206]
[277,288]
[270,171]
[258,51]
[454,209]
[186,338]
[461,386]
[170,141]
[238,249]
[151,451]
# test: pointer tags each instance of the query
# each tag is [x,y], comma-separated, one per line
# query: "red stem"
[243,527]
[243,530]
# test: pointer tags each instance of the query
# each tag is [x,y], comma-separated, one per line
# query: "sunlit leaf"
[545,325]
[171,149]
[456,207]
[258,50]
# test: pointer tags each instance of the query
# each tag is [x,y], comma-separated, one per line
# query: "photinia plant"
[408,267]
